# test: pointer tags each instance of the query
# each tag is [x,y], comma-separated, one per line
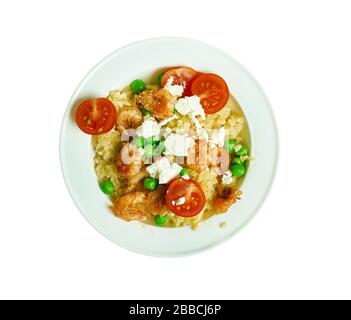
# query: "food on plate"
[129,117]
[159,102]
[96,116]
[185,197]
[212,90]
[170,151]
[182,76]
[226,196]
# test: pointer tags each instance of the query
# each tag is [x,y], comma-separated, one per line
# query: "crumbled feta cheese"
[227,178]
[148,128]
[186,177]
[170,173]
[178,144]
[190,105]
[217,137]
[153,169]
[164,170]
[179,201]
[200,131]
[174,89]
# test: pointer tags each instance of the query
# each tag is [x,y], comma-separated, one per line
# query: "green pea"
[137,86]
[184,172]
[107,187]
[237,160]
[139,142]
[151,140]
[238,170]
[160,220]
[243,151]
[146,113]
[150,184]
[229,145]
[159,79]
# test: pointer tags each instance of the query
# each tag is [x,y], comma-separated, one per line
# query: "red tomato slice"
[96,116]
[194,197]
[182,76]
[212,90]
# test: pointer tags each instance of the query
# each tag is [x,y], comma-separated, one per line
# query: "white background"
[298,246]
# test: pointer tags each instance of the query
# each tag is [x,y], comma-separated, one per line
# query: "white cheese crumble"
[178,144]
[200,131]
[227,178]
[186,177]
[174,89]
[164,170]
[190,105]
[148,128]
[179,201]
[217,137]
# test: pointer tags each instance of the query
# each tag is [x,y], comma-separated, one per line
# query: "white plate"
[138,60]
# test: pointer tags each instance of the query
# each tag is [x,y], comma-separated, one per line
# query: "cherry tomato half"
[96,116]
[182,76]
[212,90]
[194,198]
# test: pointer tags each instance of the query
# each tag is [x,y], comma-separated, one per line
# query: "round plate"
[139,60]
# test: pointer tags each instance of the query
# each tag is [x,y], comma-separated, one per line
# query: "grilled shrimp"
[156,200]
[134,182]
[225,198]
[129,161]
[129,117]
[130,206]
[197,156]
[159,102]
[202,157]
